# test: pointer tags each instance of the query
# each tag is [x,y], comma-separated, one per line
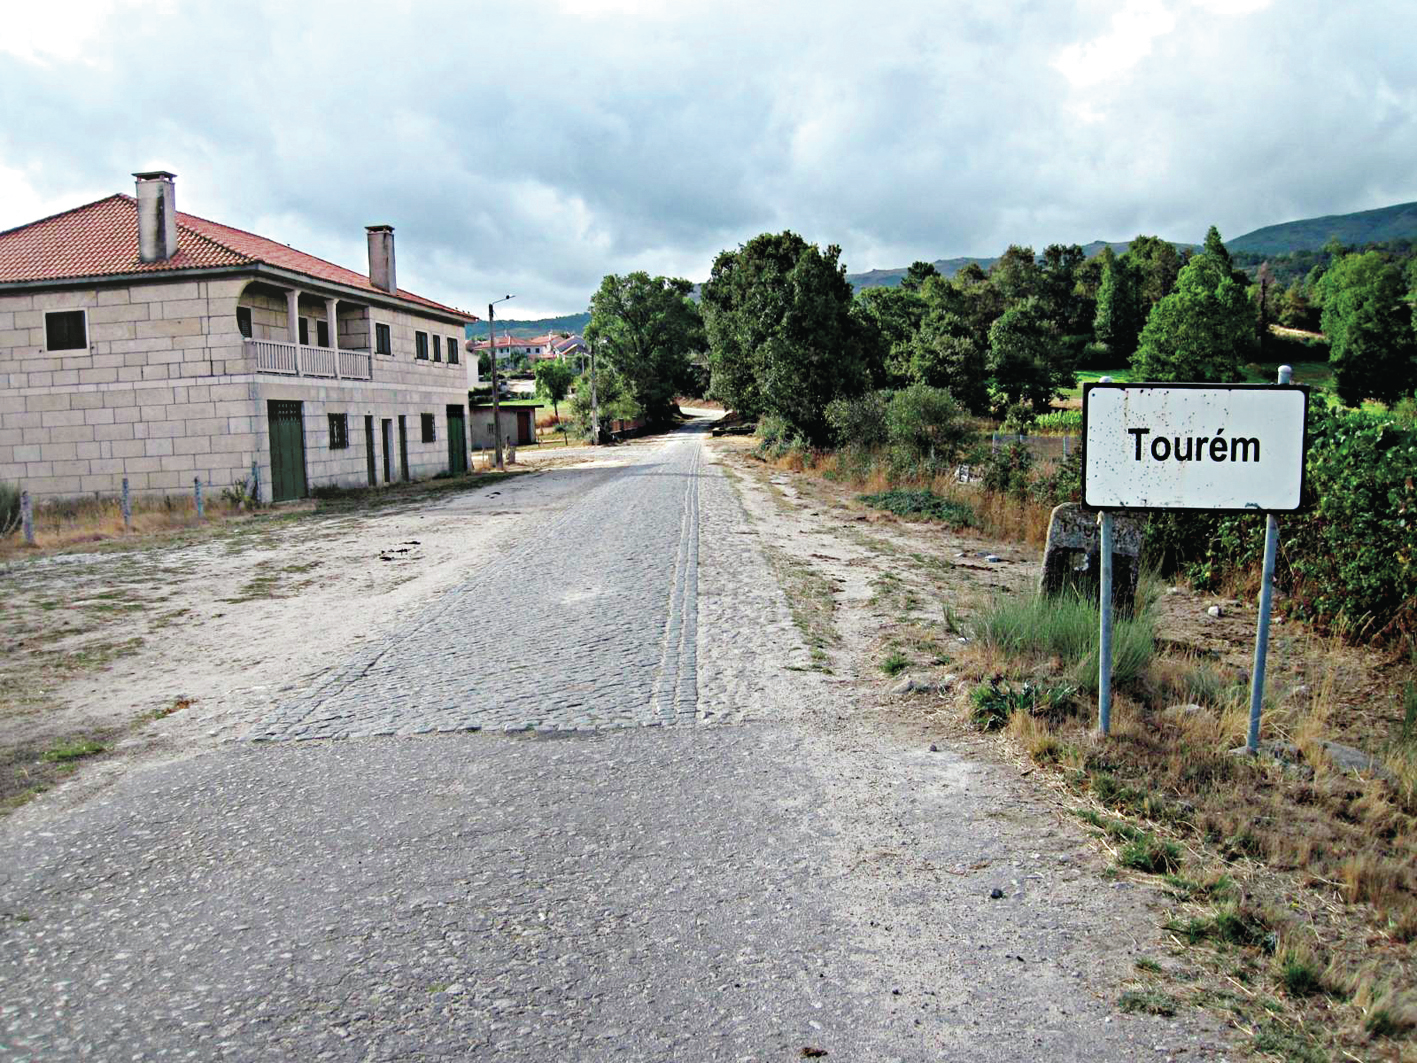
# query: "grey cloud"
[519,148]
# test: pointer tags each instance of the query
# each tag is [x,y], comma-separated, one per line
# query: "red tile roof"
[101,239]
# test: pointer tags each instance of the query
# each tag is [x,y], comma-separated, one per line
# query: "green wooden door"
[287,450]
[457,440]
[369,449]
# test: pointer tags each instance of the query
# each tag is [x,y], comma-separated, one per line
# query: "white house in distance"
[140,342]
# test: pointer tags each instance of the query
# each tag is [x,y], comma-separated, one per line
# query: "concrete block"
[11,303]
[44,403]
[158,446]
[163,291]
[129,373]
[63,418]
[169,327]
[119,330]
[97,376]
[86,400]
[142,346]
[105,432]
[192,445]
[127,414]
[112,296]
[108,465]
[78,433]
[175,308]
[100,416]
[70,468]
[114,399]
[166,429]
[156,372]
[127,448]
[107,315]
[169,481]
[88,450]
[178,462]
[27,452]
[65,378]
[144,464]
[38,468]
[41,380]
[70,300]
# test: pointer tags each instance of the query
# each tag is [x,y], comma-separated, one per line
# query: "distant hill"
[1397,222]
[537,327]
[948,267]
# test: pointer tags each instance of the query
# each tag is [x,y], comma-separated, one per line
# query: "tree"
[894,314]
[553,381]
[1119,318]
[1202,331]
[918,273]
[943,354]
[1157,264]
[648,328]
[1026,360]
[783,339]
[1369,328]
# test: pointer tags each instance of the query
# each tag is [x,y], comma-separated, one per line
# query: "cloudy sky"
[532,146]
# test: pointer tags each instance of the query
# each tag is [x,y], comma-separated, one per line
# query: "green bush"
[927,430]
[1063,483]
[9,508]
[859,421]
[1007,470]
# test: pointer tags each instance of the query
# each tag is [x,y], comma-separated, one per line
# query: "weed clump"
[923,504]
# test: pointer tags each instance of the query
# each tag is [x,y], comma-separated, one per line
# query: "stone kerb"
[1072,556]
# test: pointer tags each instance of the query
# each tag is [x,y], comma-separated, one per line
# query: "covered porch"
[291,332]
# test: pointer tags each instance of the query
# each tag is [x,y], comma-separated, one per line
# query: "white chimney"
[157,216]
[381,257]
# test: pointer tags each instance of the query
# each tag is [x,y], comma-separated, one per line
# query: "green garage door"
[287,450]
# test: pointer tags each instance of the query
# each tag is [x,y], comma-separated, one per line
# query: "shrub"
[859,421]
[995,701]
[9,508]
[1007,470]
[1151,854]
[1062,483]
[927,429]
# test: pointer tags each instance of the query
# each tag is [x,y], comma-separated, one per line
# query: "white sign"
[1168,446]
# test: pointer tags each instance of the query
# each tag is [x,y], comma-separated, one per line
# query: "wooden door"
[403,447]
[287,450]
[369,450]
[457,440]
[388,432]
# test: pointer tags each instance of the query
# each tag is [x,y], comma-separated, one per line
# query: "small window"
[452,351]
[437,348]
[339,431]
[322,333]
[305,331]
[243,320]
[383,341]
[430,428]
[66,330]
[420,344]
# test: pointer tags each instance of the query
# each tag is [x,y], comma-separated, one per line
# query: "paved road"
[678,861]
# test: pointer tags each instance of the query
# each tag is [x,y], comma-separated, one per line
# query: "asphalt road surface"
[615,824]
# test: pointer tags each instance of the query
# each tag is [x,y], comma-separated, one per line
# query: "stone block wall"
[165,393]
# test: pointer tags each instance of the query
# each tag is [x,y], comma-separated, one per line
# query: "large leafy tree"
[945,354]
[1027,362]
[1119,317]
[1369,328]
[648,329]
[782,336]
[894,314]
[1202,331]
[1158,265]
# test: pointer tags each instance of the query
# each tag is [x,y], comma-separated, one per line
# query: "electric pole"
[496,398]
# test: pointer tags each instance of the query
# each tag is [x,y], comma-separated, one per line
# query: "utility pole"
[496,399]
[594,405]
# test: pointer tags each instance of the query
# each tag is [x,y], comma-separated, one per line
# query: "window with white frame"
[66,330]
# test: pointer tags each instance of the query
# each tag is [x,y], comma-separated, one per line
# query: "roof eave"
[295,279]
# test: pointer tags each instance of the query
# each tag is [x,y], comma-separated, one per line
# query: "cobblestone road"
[590,624]
[754,893]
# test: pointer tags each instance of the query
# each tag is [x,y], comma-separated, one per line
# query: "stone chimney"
[157,216]
[381,257]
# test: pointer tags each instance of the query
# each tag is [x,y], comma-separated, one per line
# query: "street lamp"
[496,401]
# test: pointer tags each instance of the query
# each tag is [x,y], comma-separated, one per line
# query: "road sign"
[1237,448]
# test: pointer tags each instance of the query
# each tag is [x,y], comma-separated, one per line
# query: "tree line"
[779,330]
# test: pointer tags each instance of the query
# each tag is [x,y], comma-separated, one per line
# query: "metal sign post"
[1271,543]
[1222,448]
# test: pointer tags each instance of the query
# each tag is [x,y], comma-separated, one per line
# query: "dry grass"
[74,521]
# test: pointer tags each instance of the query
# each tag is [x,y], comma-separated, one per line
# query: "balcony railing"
[299,359]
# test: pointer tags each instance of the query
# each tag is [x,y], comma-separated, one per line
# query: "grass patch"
[1148,1002]
[995,702]
[896,663]
[810,599]
[1153,855]
[923,505]
[66,752]
[1066,628]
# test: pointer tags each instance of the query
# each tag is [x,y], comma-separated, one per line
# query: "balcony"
[298,359]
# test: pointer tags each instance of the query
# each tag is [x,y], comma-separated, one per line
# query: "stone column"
[332,316]
[292,314]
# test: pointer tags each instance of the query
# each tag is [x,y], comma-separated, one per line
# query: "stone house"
[140,342]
